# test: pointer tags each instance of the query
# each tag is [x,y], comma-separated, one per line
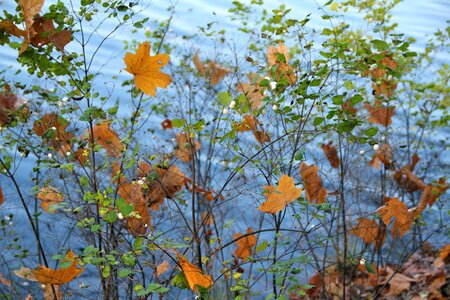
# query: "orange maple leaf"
[370,231]
[49,196]
[52,128]
[108,139]
[279,197]
[194,275]
[49,276]
[245,244]
[146,69]
[313,183]
[394,208]
[283,71]
[331,153]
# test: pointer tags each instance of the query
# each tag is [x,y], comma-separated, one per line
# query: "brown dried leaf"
[52,128]
[213,71]
[313,184]
[245,245]
[44,32]
[5,281]
[49,196]
[252,91]
[167,124]
[279,197]
[61,276]
[380,114]
[108,139]
[132,194]
[366,229]
[11,28]
[382,155]
[184,150]
[331,153]
[394,208]
[162,268]
[385,88]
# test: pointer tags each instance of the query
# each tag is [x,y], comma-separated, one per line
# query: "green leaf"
[369,268]
[224,98]
[178,123]
[124,208]
[125,272]
[349,85]
[318,120]
[262,246]
[371,131]
[380,45]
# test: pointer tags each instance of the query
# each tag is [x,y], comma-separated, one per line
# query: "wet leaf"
[279,197]
[146,69]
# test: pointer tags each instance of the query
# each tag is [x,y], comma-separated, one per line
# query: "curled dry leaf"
[49,196]
[146,69]
[161,183]
[11,28]
[108,139]
[250,123]
[313,184]
[370,232]
[52,128]
[245,244]
[194,275]
[380,114]
[397,281]
[394,208]
[186,146]
[279,197]
[331,153]
[405,177]
[382,155]
[212,70]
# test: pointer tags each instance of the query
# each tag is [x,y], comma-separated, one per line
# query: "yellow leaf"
[146,69]
[194,275]
[279,197]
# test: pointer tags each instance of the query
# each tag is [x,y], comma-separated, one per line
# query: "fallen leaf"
[394,208]
[380,114]
[162,268]
[194,275]
[313,184]
[245,245]
[61,276]
[49,196]
[279,197]
[331,153]
[108,139]
[146,69]
[397,282]
[186,146]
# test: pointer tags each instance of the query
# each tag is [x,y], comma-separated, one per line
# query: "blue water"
[417,19]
